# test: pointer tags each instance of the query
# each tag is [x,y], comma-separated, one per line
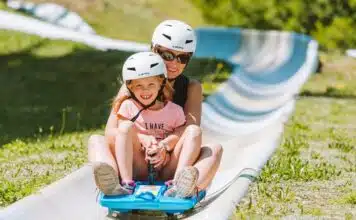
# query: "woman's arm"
[193,105]
[192,111]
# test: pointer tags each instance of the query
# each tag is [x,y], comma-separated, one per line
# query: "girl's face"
[146,90]
[175,60]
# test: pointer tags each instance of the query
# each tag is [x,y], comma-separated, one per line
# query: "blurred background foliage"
[331,22]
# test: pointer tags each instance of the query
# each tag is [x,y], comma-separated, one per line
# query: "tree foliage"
[331,22]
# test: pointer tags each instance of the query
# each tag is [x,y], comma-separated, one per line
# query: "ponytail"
[118,100]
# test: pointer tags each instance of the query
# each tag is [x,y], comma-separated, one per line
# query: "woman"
[175,42]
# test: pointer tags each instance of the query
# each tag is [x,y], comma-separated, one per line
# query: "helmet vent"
[131,68]
[189,29]
[188,41]
[169,25]
[154,64]
[167,36]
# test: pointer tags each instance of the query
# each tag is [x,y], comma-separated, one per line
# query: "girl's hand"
[147,141]
[158,155]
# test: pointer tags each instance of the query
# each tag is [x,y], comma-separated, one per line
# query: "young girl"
[148,111]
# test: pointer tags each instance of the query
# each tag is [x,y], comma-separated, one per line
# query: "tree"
[331,22]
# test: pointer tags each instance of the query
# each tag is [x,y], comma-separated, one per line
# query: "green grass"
[313,171]
[131,20]
[306,176]
[349,198]
[27,166]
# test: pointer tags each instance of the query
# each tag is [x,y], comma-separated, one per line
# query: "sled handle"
[146,196]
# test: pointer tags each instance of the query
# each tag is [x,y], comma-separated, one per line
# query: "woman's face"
[175,60]
[146,90]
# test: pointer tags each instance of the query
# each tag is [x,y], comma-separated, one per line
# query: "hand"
[147,141]
[158,155]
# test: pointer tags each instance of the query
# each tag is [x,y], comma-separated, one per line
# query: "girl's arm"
[192,111]
[111,128]
[111,131]
[114,120]
[123,91]
[112,123]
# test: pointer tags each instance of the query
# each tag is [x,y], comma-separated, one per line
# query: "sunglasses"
[169,56]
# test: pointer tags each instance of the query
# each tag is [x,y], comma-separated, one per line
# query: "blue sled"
[149,197]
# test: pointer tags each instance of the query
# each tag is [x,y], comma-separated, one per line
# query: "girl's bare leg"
[188,152]
[127,150]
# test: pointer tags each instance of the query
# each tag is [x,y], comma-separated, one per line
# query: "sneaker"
[107,180]
[184,185]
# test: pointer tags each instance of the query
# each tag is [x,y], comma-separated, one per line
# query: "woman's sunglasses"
[169,56]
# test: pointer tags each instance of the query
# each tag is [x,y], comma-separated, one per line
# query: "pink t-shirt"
[158,123]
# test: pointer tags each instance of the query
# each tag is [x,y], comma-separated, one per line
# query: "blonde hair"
[167,94]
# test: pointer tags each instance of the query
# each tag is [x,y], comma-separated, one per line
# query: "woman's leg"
[101,156]
[189,146]
[99,151]
[188,152]
[208,163]
[104,165]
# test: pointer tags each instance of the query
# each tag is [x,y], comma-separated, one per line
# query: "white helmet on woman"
[143,64]
[175,35]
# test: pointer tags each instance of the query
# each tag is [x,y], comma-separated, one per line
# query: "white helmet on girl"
[143,64]
[175,35]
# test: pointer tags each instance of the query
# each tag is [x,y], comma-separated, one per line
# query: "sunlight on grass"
[131,20]
[349,198]
[299,180]
[27,166]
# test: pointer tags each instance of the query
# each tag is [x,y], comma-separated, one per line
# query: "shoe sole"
[186,181]
[105,178]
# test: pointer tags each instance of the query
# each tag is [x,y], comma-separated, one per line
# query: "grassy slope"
[44,133]
[131,20]
[313,172]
